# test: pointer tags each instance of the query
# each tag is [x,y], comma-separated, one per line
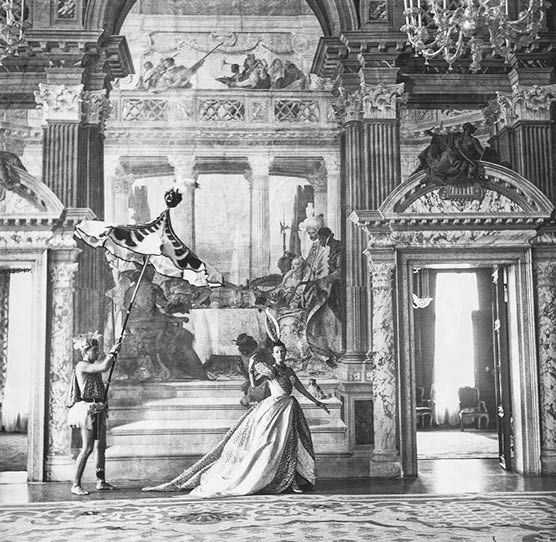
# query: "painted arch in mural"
[334,16]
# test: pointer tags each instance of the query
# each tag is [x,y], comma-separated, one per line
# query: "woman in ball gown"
[269,450]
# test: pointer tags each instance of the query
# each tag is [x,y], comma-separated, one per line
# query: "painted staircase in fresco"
[157,431]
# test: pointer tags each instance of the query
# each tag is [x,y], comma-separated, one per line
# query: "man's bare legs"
[100,445]
[88,440]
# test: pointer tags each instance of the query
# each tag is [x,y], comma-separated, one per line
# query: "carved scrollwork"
[60,102]
[381,101]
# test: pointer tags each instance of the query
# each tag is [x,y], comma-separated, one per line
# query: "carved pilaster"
[121,184]
[61,272]
[545,276]
[260,213]
[382,357]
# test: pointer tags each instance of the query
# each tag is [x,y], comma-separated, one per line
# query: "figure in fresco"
[9,176]
[87,408]
[293,78]
[452,159]
[174,352]
[289,292]
[234,78]
[151,75]
[173,76]
[252,390]
[254,74]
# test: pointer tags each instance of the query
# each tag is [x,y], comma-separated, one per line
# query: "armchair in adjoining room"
[471,408]
[423,411]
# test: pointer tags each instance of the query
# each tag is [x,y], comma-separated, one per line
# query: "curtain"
[456,299]
[15,407]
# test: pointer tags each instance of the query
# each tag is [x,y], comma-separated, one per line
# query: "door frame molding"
[523,351]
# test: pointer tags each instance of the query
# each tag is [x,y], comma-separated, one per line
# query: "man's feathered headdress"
[84,341]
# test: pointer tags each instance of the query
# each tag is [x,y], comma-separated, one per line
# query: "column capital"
[122,181]
[184,169]
[96,108]
[381,101]
[60,102]
[348,106]
[318,180]
[259,166]
[331,164]
[526,103]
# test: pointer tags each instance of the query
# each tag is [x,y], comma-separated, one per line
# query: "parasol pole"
[124,325]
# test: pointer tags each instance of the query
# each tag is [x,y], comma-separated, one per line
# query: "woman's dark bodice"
[93,388]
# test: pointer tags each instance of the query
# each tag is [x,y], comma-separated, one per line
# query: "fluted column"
[183,216]
[61,272]
[544,267]
[334,194]
[260,215]
[73,142]
[525,136]
[349,111]
[385,460]
[381,141]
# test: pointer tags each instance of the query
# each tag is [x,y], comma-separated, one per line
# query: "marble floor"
[436,477]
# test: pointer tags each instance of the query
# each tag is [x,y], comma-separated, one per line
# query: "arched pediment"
[27,197]
[502,195]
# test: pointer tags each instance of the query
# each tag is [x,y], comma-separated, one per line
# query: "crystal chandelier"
[451,28]
[12,26]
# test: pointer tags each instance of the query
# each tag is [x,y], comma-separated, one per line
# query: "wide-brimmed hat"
[243,339]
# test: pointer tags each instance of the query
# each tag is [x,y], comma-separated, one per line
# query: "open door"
[502,365]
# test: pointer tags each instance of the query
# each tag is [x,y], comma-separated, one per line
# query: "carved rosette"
[61,276]
[382,356]
[545,274]
[381,101]
[60,102]
[96,108]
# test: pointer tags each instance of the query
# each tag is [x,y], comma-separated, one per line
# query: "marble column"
[61,273]
[334,194]
[121,189]
[185,181]
[385,458]
[526,139]
[258,177]
[544,266]
[318,181]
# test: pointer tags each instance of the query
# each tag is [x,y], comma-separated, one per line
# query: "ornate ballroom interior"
[432,168]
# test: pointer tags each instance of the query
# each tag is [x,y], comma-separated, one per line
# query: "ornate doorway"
[423,225]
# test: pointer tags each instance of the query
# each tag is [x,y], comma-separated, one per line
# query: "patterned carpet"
[498,517]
